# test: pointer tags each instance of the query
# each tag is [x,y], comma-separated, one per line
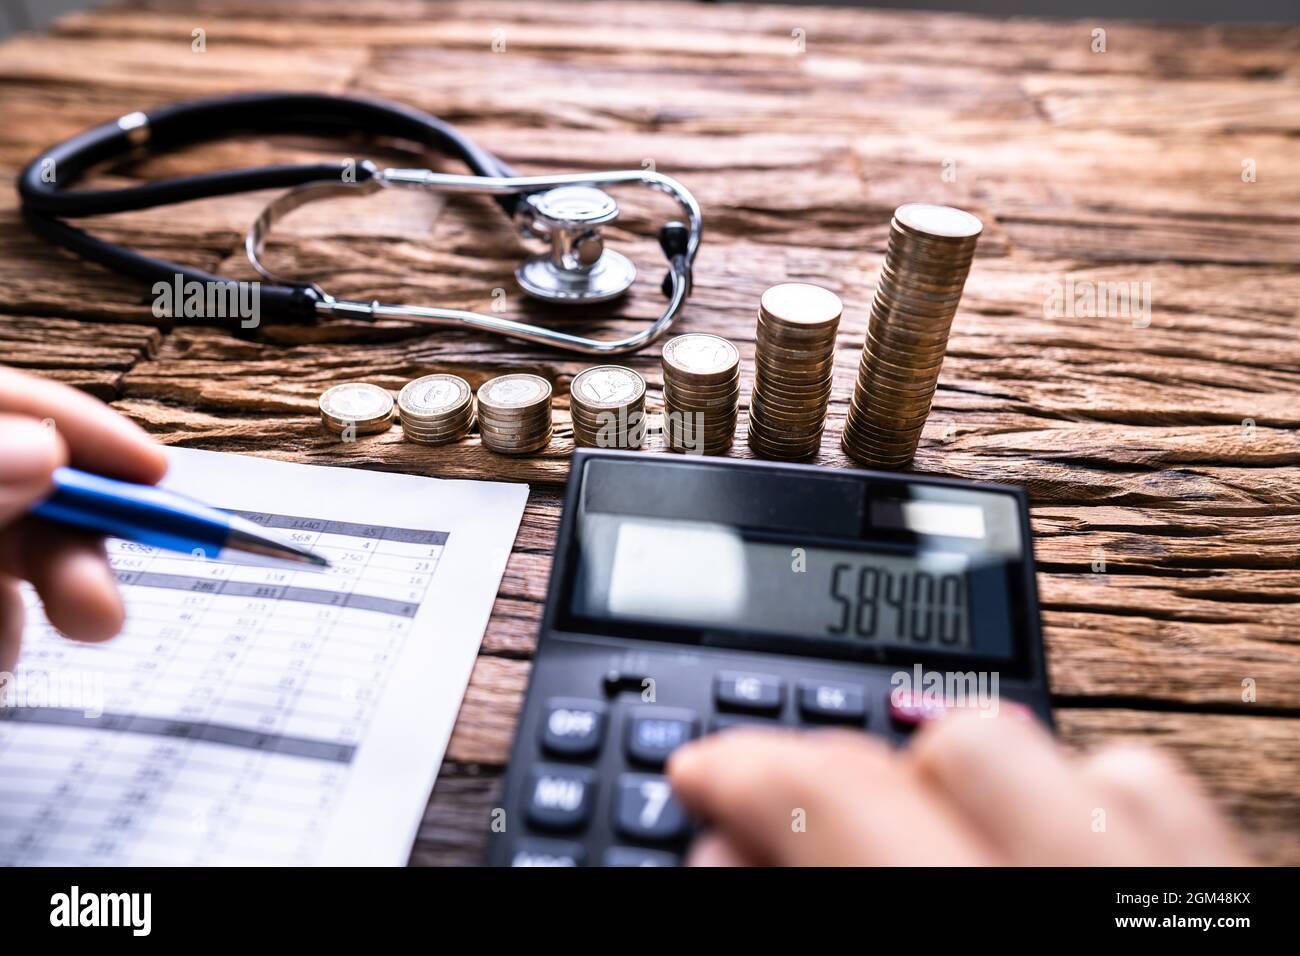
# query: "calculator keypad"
[559,797]
[832,701]
[548,853]
[574,793]
[742,690]
[653,733]
[594,791]
[573,727]
[646,809]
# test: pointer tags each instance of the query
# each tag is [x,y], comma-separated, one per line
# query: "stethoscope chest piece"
[578,267]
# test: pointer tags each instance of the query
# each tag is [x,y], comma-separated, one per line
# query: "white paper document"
[251,712]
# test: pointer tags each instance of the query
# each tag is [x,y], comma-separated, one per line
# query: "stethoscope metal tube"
[679,249]
[566,210]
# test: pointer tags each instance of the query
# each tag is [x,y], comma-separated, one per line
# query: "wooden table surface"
[1166,451]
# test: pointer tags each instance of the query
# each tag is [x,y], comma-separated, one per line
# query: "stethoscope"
[567,211]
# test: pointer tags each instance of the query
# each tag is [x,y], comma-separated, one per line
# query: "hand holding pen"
[59,551]
[69,568]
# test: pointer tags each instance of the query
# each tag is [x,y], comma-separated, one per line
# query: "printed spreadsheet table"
[224,723]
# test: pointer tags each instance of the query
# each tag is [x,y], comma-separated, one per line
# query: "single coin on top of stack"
[607,404]
[701,393]
[514,413]
[356,408]
[794,362]
[921,282]
[436,409]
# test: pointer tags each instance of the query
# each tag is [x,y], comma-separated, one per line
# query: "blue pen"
[160,518]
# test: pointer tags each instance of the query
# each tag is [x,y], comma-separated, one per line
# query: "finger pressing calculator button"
[635,856]
[655,732]
[739,690]
[547,853]
[560,798]
[832,701]
[645,809]
[573,728]
[909,710]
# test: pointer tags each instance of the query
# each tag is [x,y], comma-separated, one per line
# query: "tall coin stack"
[607,404]
[514,413]
[436,409]
[701,393]
[921,281]
[793,366]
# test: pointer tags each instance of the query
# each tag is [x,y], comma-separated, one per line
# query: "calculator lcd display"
[704,576]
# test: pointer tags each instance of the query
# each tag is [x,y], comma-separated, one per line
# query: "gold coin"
[673,397]
[513,393]
[700,358]
[606,386]
[506,448]
[433,397]
[360,406]
[355,428]
[937,222]
[801,305]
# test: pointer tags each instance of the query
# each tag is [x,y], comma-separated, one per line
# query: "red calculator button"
[912,709]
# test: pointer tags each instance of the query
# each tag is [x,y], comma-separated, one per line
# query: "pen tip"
[245,536]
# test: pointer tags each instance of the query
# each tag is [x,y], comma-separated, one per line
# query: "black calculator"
[692,594]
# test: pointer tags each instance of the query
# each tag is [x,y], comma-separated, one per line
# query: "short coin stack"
[436,409]
[356,408]
[607,404]
[921,281]
[514,413]
[701,393]
[793,366]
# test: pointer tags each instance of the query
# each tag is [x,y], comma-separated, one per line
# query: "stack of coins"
[793,366]
[514,413]
[701,393]
[929,255]
[436,409]
[608,407]
[356,408]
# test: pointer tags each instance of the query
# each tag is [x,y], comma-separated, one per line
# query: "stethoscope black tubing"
[45,203]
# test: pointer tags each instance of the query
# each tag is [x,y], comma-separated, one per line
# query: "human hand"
[968,790]
[68,568]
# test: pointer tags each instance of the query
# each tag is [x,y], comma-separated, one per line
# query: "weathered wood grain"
[1161,449]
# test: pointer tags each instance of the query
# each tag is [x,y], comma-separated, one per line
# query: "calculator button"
[547,853]
[909,710]
[560,798]
[634,856]
[727,721]
[573,728]
[655,732]
[645,809]
[737,690]
[828,700]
